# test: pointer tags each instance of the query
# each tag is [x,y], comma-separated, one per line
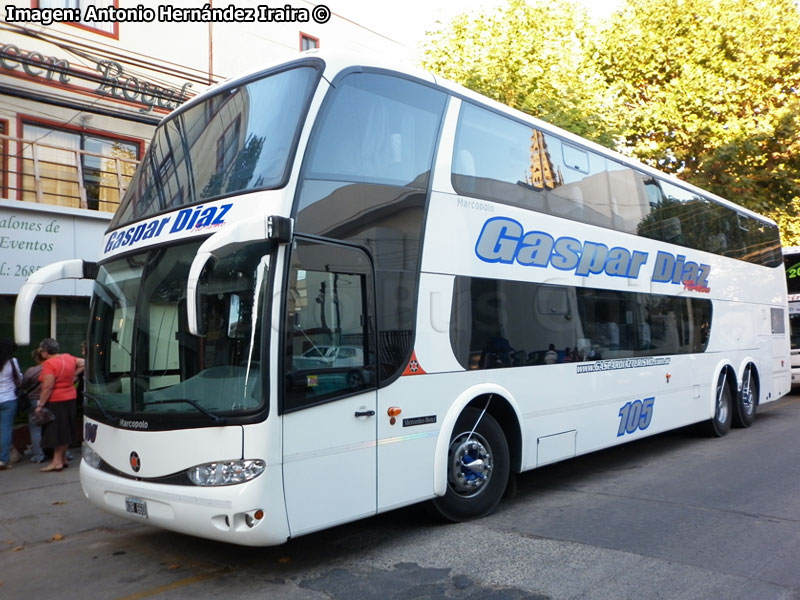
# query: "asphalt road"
[673,516]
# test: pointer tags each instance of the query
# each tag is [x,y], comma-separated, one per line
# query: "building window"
[228,145]
[109,28]
[75,168]
[308,42]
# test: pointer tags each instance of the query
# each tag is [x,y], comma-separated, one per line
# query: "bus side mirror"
[272,228]
[65,269]
[279,229]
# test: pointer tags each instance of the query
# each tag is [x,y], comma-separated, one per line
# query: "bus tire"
[720,423]
[747,400]
[478,467]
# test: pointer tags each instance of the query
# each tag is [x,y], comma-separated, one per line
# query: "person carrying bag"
[28,395]
[28,392]
[58,395]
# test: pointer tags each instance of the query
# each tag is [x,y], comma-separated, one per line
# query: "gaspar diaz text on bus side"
[504,240]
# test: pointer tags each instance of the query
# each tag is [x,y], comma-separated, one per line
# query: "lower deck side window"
[499,323]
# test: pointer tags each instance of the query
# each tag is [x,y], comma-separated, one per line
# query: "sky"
[407,20]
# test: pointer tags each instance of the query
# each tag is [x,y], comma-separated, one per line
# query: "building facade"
[83,83]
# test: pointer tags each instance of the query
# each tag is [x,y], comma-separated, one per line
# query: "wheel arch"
[505,411]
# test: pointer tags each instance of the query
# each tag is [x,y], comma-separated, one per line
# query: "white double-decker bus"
[335,288]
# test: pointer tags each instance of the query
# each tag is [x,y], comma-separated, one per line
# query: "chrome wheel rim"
[471,464]
[722,406]
[748,398]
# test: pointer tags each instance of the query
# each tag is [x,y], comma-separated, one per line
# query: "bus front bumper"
[223,513]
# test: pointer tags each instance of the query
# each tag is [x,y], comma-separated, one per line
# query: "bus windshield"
[143,363]
[238,140]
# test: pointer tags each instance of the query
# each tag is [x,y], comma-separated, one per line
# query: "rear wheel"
[747,400]
[477,468]
[720,424]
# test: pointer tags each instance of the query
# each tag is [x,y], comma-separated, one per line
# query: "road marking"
[174,585]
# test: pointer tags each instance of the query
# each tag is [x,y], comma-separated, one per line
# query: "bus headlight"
[226,473]
[90,457]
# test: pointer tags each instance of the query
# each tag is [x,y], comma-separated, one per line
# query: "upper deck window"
[380,129]
[501,159]
[238,140]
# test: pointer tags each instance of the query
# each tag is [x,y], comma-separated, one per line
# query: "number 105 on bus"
[635,416]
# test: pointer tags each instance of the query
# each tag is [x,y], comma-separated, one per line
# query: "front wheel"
[478,466]
[720,424]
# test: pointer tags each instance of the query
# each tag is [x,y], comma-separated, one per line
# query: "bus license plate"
[136,506]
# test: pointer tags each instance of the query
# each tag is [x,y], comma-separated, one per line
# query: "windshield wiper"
[100,406]
[216,418]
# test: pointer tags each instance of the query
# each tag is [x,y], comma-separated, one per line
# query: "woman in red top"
[59,395]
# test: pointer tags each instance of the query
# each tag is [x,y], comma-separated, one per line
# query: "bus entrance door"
[329,395]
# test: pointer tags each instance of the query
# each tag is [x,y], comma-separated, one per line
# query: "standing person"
[58,394]
[33,388]
[10,377]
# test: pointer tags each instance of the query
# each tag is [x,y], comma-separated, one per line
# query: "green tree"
[708,90]
[530,56]
[705,89]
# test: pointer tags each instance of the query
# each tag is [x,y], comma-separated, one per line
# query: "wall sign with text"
[31,239]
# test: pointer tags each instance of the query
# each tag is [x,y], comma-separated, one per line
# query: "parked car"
[330,356]
[327,369]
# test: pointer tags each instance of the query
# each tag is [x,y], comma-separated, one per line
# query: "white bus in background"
[791,260]
[335,288]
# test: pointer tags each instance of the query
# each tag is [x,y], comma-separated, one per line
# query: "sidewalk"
[54,544]
[38,507]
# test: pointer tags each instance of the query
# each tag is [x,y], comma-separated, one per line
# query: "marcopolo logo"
[188,219]
[504,240]
[134,424]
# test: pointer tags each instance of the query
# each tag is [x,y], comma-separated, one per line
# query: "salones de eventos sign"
[113,81]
